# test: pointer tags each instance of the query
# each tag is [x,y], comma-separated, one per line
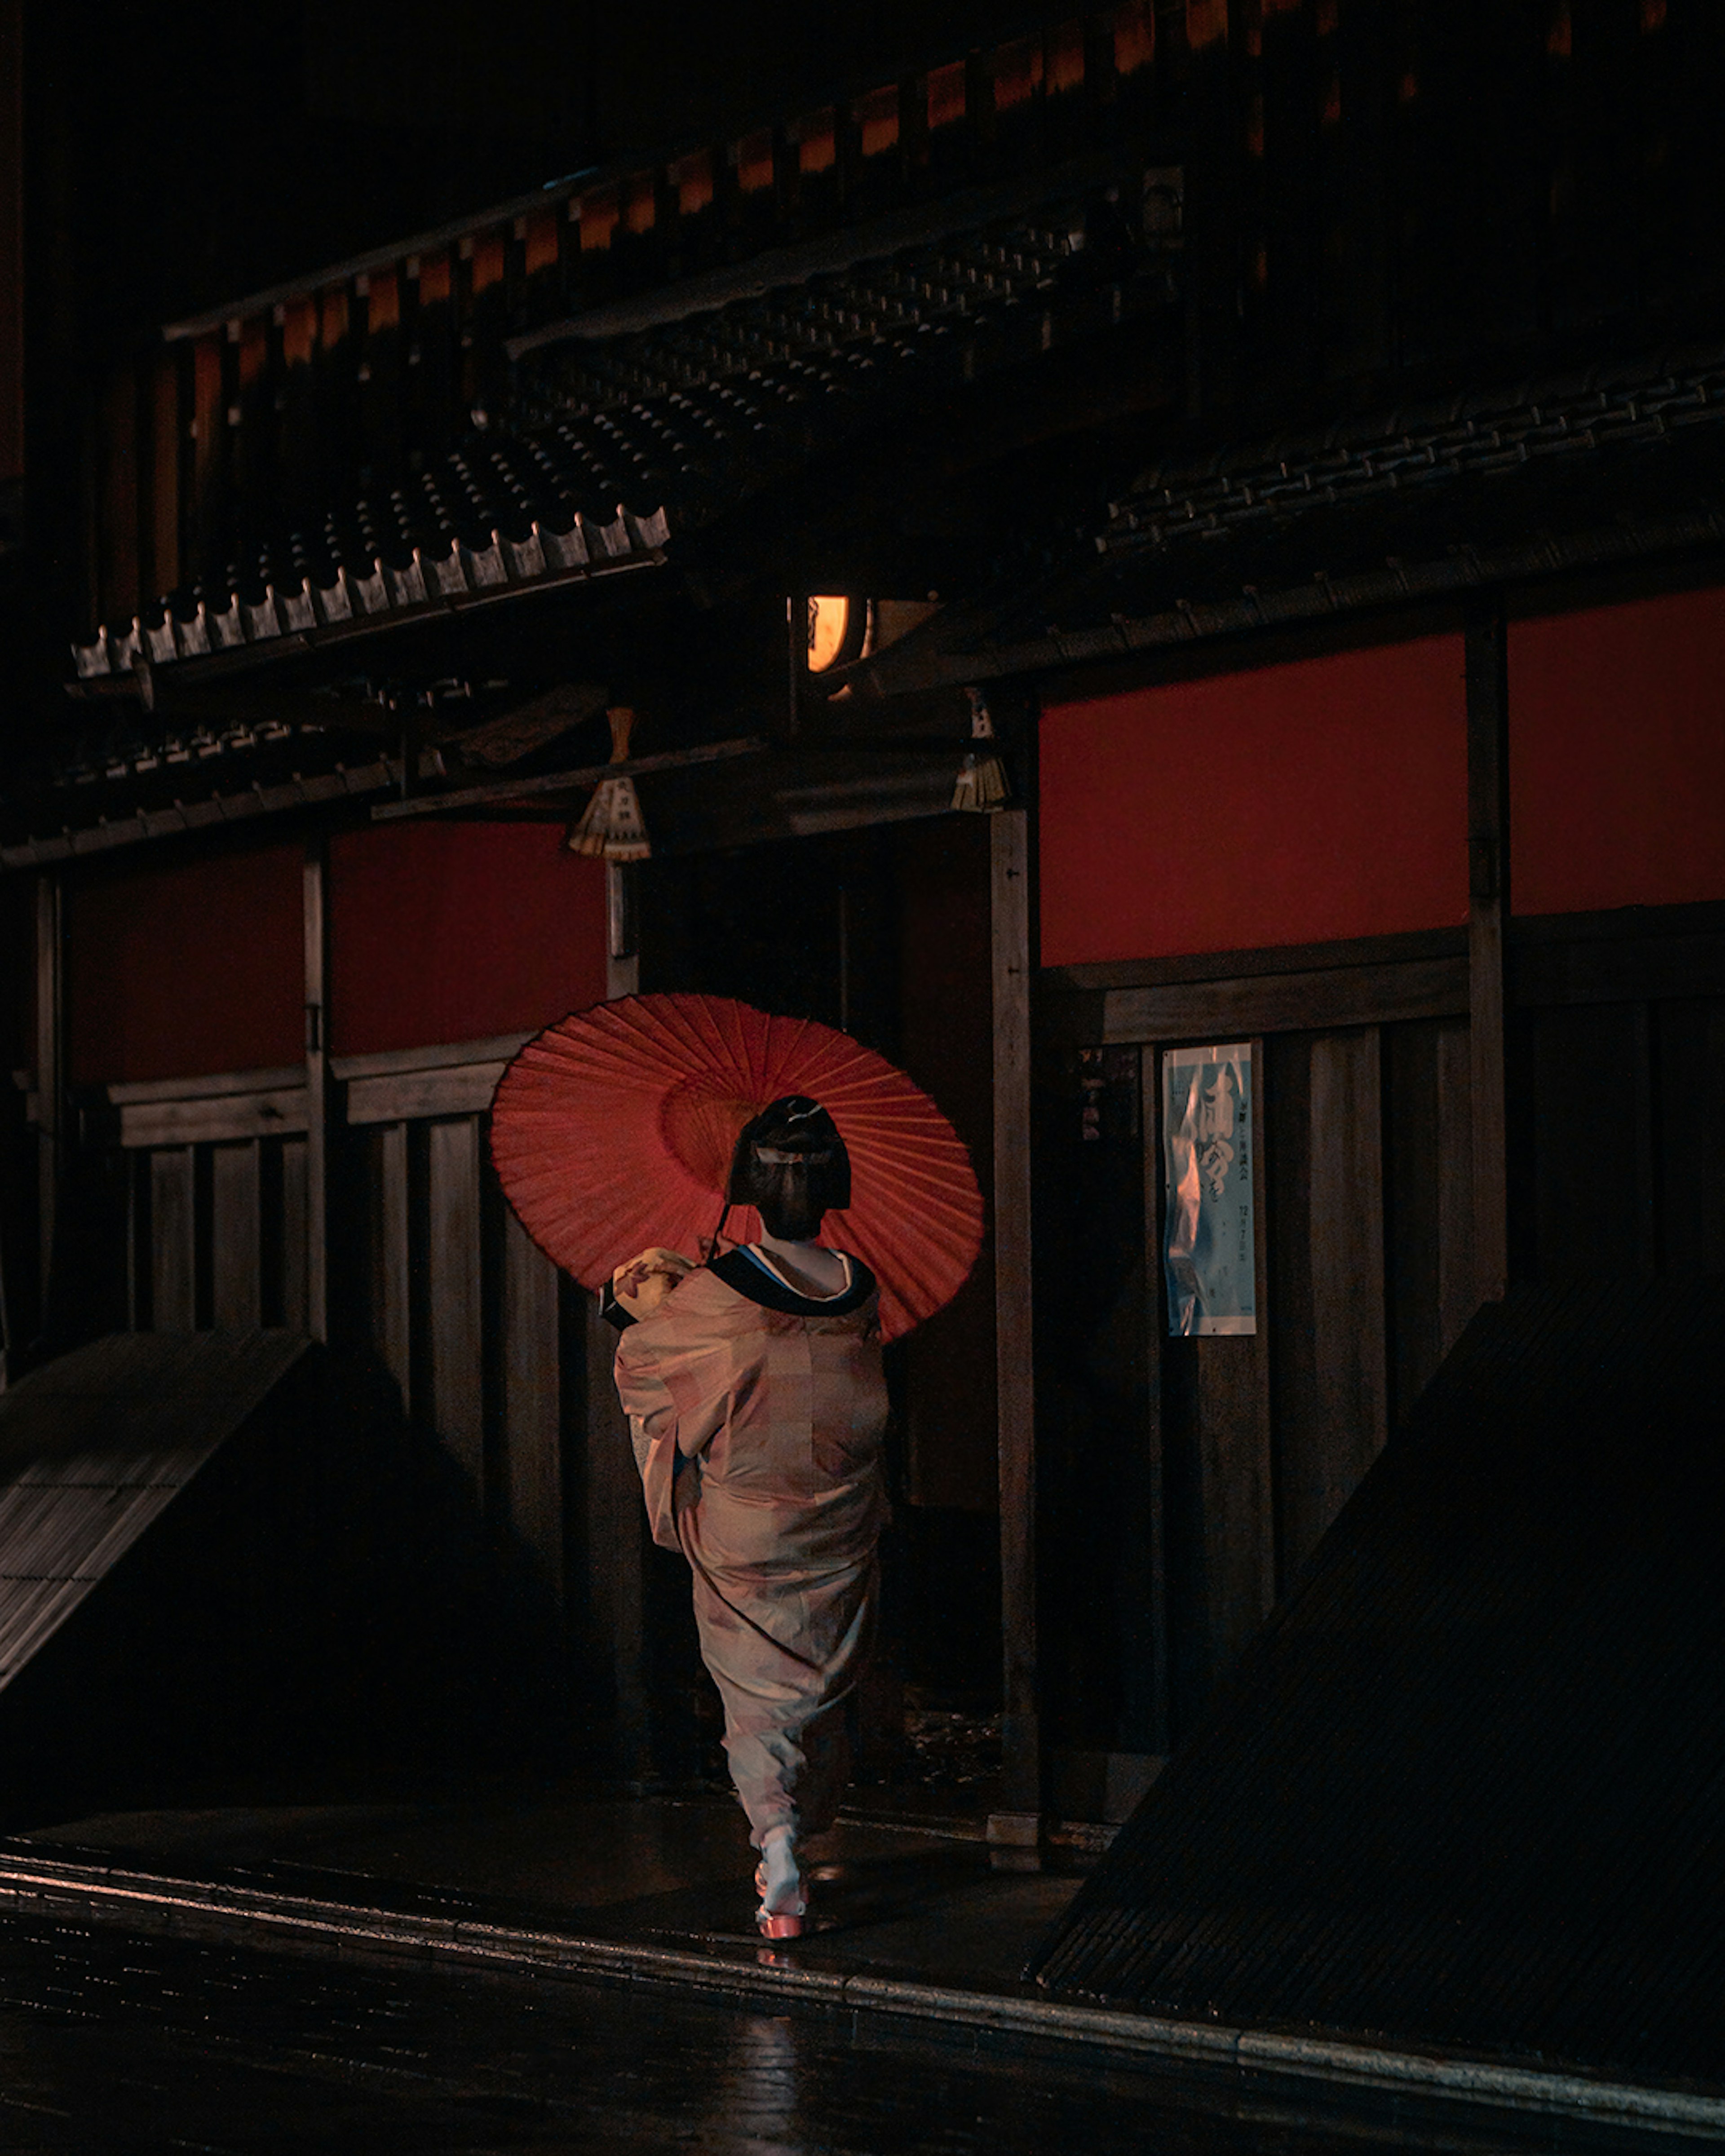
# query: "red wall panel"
[1298,804]
[1617,756]
[172,972]
[455,932]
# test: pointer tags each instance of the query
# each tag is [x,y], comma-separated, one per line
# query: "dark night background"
[209,151]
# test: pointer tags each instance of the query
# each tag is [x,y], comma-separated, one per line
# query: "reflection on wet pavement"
[565,1852]
[893,1899]
[111,2043]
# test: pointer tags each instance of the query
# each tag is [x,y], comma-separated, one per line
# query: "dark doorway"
[883,932]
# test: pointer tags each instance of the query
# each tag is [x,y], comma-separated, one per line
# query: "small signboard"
[1210,1140]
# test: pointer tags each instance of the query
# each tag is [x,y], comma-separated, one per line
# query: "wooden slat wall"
[295,1294]
[236,1270]
[465,1314]
[1367,1238]
[612,1533]
[1261,1438]
[1264,1437]
[1010,914]
[1217,1450]
[386,1187]
[1331,1375]
[454,1365]
[1369,1219]
[1429,1199]
[171,1231]
[532,1479]
[438,1279]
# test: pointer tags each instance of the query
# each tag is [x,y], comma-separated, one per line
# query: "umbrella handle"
[713,1246]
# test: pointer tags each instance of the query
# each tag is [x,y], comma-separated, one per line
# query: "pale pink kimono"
[757,1433]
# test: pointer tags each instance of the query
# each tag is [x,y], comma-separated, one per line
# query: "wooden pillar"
[455,1313]
[614,1519]
[317,1091]
[1159,1677]
[532,1420]
[623,957]
[391,1257]
[1487,918]
[295,1225]
[1014,1831]
[1331,1376]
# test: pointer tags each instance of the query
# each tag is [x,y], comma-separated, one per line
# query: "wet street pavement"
[111,2042]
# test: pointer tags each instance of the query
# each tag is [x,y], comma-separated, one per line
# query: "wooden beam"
[1488,912]
[1287,1002]
[150,1093]
[173,820]
[456,1078]
[1014,1833]
[564,782]
[918,224]
[208,1118]
[1204,967]
[399,1062]
[458,1089]
[316,919]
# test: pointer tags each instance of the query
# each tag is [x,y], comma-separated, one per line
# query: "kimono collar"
[753,1274]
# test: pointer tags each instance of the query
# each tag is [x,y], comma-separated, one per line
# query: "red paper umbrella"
[614,1130]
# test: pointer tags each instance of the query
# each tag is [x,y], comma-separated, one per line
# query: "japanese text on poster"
[1211,1148]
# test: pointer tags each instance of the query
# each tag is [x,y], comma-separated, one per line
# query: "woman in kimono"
[757,1404]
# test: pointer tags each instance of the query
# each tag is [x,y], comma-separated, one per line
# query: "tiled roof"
[1418,451]
[606,447]
[493,517]
[129,781]
[1617,464]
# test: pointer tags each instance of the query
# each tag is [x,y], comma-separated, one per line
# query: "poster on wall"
[1211,1142]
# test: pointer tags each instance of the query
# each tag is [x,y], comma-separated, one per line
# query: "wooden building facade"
[1287,430]
[1468,1073]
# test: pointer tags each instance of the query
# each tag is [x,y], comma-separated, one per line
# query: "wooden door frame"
[1014,1830]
